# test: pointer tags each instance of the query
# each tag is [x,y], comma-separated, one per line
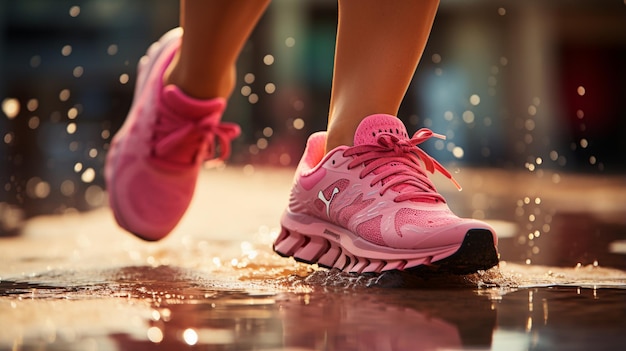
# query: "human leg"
[214,34]
[379,44]
[174,122]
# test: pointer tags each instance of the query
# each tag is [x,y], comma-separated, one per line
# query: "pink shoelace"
[396,163]
[176,139]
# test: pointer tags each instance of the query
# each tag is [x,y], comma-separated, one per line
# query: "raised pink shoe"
[372,208]
[154,159]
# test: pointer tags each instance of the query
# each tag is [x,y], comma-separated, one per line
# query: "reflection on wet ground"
[77,282]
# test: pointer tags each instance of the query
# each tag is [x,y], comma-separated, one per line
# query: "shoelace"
[196,138]
[396,163]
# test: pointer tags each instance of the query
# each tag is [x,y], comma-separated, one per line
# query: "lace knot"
[196,140]
[397,164]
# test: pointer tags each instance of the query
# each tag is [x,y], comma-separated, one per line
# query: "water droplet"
[190,336]
[584,143]
[290,42]
[66,50]
[268,132]
[249,78]
[284,159]
[72,113]
[261,143]
[88,175]
[439,144]
[253,98]
[536,101]
[448,115]
[468,117]
[78,167]
[78,71]
[532,110]
[458,152]
[124,78]
[155,335]
[112,49]
[74,11]
[37,188]
[73,146]
[592,160]
[35,61]
[64,95]
[33,122]
[501,11]
[298,123]
[71,128]
[268,59]
[253,150]
[246,90]
[580,90]
[270,88]
[554,155]
[68,188]
[11,107]
[528,139]
[474,99]
[580,114]
[94,195]
[32,105]
[247,170]
[436,58]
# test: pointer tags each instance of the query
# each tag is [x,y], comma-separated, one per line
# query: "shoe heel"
[306,249]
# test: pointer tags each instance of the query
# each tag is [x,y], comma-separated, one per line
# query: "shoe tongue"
[185,106]
[367,133]
[372,126]
[176,112]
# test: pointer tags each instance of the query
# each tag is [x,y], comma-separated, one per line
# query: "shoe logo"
[327,202]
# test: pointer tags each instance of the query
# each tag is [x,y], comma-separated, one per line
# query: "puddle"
[77,282]
[515,307]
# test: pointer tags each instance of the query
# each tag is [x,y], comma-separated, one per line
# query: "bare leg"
[379,44]
[214,34]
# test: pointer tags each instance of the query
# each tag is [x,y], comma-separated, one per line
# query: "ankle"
[339,134]
[200,85]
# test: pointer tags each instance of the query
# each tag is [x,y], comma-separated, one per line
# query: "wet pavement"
[78,282]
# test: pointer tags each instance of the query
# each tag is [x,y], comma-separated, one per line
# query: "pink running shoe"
[372,208]
[154,160]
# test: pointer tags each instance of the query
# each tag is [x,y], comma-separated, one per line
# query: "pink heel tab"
[314,151]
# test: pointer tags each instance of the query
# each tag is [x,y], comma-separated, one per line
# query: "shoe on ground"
[372,208]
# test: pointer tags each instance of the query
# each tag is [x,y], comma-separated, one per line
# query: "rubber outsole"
[477,252]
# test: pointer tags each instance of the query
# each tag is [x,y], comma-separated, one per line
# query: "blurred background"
[528,86]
